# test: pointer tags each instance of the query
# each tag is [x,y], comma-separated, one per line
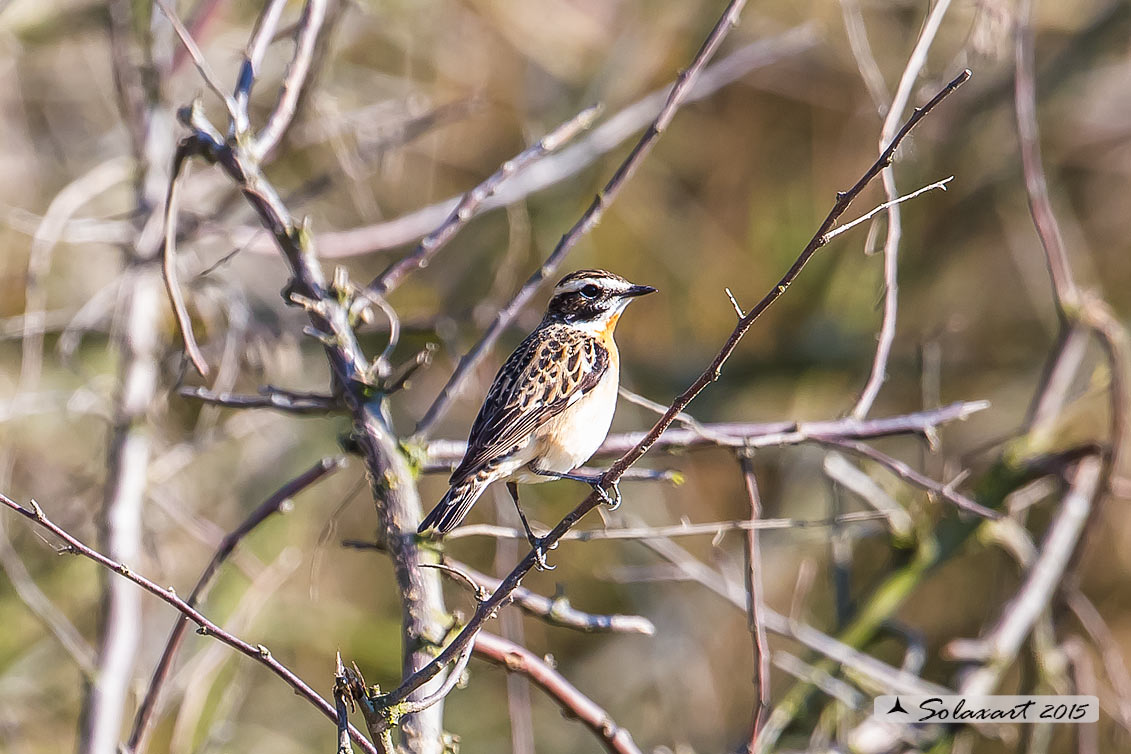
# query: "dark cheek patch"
[573,307]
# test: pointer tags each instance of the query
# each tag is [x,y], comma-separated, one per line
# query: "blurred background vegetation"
[417,101]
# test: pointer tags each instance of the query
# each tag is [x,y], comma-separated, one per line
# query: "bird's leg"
[535,542]
[593,480]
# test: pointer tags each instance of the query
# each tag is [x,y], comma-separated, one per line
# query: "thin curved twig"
[198,59]
[756,602]
[908,474]
[185,150]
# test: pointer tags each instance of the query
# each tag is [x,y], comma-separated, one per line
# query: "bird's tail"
[455,505]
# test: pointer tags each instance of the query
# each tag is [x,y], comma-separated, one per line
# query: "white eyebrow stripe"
[603,282]
[577,285]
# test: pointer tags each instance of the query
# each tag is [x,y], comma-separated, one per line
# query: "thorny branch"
[274,504]
[709,375]
[258,652]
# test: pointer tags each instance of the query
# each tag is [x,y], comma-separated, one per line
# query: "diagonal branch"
[588,220]
[306,36]
[709,375]
[258,652]
[554,169]
[519,659]
[269,507]
[470,202]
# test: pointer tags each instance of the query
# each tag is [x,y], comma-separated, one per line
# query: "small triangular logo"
[897,707]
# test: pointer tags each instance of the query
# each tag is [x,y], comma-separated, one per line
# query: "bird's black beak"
[638,290]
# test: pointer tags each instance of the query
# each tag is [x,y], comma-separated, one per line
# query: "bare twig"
[940,185]
[1053,393]
[1114,661]
[910,475]
[844,473]
[342,699]
[261,38]
[433,698]
[840,690]
[469,204]
[899,102]
[557,611]
[554,169]
[878,672]
[185,150]
[269,507]
[588,220]
[755,602]
[709,375]
[714,529]
[1065,292]
[1084,681]
[306,35]
[458,572]
[281,400]
[198,59]
[1086,307]
[862,51]
[750,435]
[518,659]
[259,653]
[1001,644]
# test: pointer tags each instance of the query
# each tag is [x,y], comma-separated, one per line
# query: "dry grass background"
[734,189]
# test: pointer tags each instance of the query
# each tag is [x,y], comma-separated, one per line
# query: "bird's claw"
[612,502]
[540,555]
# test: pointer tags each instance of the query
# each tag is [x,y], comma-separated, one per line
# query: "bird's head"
[592,299]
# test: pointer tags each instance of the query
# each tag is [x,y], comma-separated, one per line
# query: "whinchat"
[552,401]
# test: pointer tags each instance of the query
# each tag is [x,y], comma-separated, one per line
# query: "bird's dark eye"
[590,291]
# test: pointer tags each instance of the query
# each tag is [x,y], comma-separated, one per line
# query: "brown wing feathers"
[540,379]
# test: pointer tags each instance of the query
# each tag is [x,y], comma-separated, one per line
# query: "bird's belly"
[570,438]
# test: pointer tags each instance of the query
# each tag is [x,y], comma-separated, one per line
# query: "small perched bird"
[551,403]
